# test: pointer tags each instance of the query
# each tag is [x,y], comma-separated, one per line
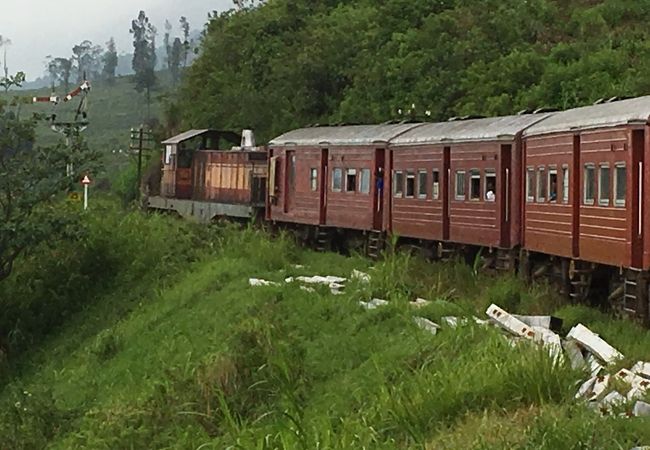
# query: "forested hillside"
[290,63]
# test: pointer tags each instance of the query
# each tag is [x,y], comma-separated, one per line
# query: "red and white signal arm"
[86,180]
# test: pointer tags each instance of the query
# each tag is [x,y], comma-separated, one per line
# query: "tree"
[31,177]
[110,61]
[144,56]
[185,26]
[86,59]
[168,47]
[175,60]
[4,43]
[60,70]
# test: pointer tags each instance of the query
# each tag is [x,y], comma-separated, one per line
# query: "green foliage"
[109,60]
[144,54]
[285,64]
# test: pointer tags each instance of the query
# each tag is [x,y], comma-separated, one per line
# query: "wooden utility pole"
[141,140]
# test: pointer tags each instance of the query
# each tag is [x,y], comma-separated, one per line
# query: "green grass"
[176,350]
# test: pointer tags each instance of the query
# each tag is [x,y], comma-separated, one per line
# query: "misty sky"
[38,28]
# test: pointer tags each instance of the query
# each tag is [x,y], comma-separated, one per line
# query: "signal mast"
[72,127]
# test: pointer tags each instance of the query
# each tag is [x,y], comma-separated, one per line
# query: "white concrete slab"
[642,368]
[427,325]
[594,343]
[574,354]
[508,322]
[600,386]
[594,366]
[261,282]
[641,409]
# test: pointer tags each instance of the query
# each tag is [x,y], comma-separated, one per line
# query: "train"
[559,195]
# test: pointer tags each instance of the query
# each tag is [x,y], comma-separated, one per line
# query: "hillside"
[113,109]
[291,63]
[134,336]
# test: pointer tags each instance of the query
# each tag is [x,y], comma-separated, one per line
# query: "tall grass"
[197,358]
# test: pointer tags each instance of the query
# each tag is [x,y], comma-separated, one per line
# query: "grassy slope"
[199,358]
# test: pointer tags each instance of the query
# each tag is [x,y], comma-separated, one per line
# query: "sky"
[38,28]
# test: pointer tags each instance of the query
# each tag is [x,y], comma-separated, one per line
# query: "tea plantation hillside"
[145,333]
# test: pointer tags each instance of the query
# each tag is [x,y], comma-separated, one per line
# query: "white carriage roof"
[343,135]
[488,129]
[622,112]
[187,135]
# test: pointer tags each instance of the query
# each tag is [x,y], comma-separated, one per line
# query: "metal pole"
[140,143]
[85,197]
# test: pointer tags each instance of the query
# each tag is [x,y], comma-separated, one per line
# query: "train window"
[552,185]
[565,184]
[398,184]
[541,184]
[422,184]
[530,184]
[410,184]
[460,185]
[474,185]
[435,188]
[490,185]
[603,185]
[350,180]
[365,181]
[620,183]
[590,181]
[313,179]
[337,176]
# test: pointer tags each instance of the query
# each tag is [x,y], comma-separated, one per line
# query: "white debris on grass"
[427,325]
[419,302]
[641,409]
[508,322]
[307,289]
[261,282]
[374,303]
[612,399]
[453,321]
[599,387]
[642,368]
[317,279]
[595,367]
[298,266]
[548,322]
[549,340]
[361,276]
[480,322]
[638,383]
[572,350]
[585,388]
[594,343]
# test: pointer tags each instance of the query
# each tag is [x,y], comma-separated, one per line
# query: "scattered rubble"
[427,325]
[641,409]
[548,322]
[572,350]
[374,303]
[419,302]
[641,368]
[361,276]
[592,342]
[453,322]
[261,282]
[509,322]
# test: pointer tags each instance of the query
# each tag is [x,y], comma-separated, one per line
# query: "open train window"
[590,181]
[620,184]
[460,185]
[398,183]
[351,180]
[410,184]
[490,185]
[565,184]
[422,184]
[541,184]
[603,185]
[337,178]
[435,188]
[552,185]
[530,184]
[313,179]
[365,181]
[474,185]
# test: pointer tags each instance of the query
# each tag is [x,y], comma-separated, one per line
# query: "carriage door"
[504,198]
[323,185]
[290,191]
[380,179]
[638,144]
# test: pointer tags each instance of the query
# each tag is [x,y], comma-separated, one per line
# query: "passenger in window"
[552,196]
[489,190]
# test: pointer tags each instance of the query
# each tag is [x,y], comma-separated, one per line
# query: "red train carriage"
[329,178]
[585,179]
[458,182]
[205,177]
